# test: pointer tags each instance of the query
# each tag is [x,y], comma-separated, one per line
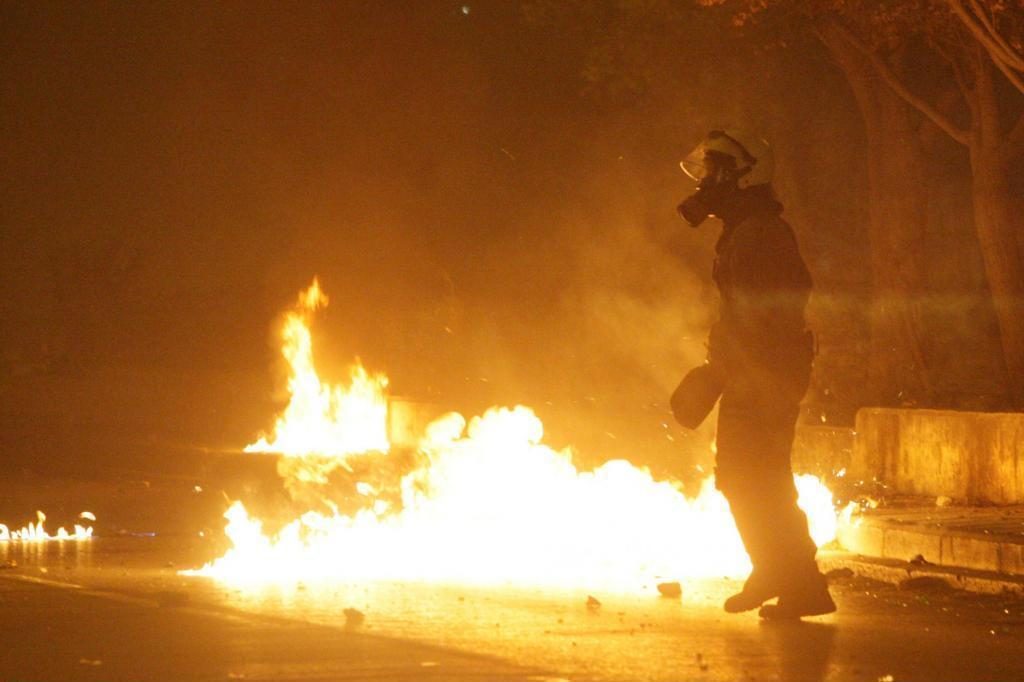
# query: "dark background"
[489,209]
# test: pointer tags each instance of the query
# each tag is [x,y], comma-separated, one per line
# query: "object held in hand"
[696,395]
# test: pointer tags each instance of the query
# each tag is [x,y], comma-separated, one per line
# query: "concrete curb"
[987,539]
[899,572]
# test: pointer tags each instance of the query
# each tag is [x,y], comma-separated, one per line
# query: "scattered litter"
[672,590]
[839,573]
[943,501]
[354,617]
[592,603]
[94,662]
[886,678]
[44,569]
[87,515]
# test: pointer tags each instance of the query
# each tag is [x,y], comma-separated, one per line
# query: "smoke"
[636,306]
[626,305]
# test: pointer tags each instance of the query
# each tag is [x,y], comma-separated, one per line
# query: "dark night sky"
[174,173]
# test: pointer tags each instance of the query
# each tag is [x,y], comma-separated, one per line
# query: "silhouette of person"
[758,366]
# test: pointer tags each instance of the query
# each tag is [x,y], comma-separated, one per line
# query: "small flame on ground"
[36,532]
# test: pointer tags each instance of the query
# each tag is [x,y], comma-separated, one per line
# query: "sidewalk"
[984,545]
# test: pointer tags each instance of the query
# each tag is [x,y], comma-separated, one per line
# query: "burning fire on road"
[482,501]
[36,532]
[321,419]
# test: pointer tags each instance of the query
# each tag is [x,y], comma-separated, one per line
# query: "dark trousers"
[756,423]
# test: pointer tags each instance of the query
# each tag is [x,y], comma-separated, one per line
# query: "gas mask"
[718,183]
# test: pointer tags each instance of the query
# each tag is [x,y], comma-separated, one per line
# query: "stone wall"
[976,457]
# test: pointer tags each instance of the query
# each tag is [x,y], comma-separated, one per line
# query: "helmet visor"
[696,163]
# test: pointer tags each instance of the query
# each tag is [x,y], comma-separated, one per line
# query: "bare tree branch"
[897,86]
[982,28]
[1011,75]
[1013,60]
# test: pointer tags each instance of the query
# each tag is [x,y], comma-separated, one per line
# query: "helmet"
[754,161]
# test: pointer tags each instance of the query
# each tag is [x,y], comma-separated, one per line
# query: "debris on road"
[672,590]
[354,617]
[592,603]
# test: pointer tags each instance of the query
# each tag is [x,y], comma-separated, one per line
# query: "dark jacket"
[759,351]
[763,285]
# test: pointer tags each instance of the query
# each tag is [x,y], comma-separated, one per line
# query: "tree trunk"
[995,221]
[897,217]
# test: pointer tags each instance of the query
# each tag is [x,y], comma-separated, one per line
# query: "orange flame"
[489,504]
[35,532]
[323,419]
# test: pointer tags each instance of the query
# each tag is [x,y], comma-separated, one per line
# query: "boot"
[756,591]
[809,599]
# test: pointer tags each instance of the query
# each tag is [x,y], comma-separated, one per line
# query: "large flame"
[487,503]
[322,419]
[36,532]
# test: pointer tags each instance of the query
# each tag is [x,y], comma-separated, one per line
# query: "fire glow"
[486,503]
[36,532]
[322,419]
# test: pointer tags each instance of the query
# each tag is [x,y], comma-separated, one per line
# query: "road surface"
[117,609]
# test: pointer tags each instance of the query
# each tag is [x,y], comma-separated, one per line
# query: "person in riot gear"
[758,369]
